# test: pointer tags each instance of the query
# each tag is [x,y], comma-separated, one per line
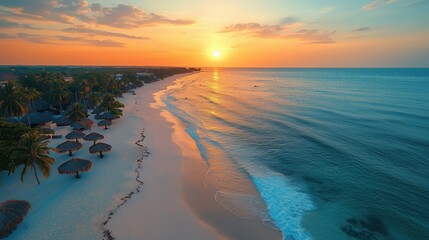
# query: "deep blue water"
[334,153]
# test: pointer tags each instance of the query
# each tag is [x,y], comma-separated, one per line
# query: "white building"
[118,77]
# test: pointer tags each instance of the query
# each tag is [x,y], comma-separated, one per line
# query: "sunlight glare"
[216,54]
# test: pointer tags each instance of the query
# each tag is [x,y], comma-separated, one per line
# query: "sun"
[216,54]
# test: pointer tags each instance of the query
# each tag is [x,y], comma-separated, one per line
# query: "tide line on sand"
[107,234]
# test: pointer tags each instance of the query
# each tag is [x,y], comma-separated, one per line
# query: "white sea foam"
[286,204]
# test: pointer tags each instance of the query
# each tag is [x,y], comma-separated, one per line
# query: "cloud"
[362,29]
[53,10]
[105,43]
[325,10]
[416,3]
[126,16]
[8,24]
[254,29]
[312,36]
[101,33]
[92,42]
[289,20]
[51,40]
[7,36]
[96,7]
[26,37]
[32,38]
[377,3]
[69,39]
[68,11]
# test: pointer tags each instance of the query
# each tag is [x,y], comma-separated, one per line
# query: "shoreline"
[183,181]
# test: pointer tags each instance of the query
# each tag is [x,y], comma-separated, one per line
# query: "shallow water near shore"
[333,153]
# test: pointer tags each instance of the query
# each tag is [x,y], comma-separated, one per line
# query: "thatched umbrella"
[63,121]
[68,146]
[46,131]
[84,124]
[36,118]
[93,137]
[108,116]
[74,166]
[100,148]
[105,123]
[96,111]
[12,212]
[75,135]
[39,105]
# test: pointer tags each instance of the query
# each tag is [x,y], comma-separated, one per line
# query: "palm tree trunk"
[29,121]
[35,172]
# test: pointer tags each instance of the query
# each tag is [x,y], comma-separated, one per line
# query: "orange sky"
[245,33]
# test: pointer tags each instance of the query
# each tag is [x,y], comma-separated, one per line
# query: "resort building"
[68,79]
[118,77]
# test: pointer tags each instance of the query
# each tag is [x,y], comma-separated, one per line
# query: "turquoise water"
[334,153]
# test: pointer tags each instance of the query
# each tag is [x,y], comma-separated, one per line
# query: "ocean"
[333,153]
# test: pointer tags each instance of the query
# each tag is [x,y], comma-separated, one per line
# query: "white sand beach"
[173,203]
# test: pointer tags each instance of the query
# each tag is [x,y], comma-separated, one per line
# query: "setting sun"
[216,54]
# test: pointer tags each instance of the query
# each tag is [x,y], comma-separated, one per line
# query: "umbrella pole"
[70,153]
[94,143]
[77,174]
[101,155]
[105,127]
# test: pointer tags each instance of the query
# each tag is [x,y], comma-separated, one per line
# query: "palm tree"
[94,99]
[45,80]
[110,104]
[30,94]
[85,89]
[33,152]
[13,100]
[58,94]
[77,112]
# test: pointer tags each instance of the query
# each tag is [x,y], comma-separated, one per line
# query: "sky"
[221,33]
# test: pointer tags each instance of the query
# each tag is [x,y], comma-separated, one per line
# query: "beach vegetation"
[58,94]
[111,105]
[13,100]
[32,152]
[77,112]
[10,134]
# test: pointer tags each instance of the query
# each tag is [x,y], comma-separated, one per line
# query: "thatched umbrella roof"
[39,105]
[75,135]
[68,146]
[104,123]
[96,111]
[100,148]
[74,166]
[46,131]
[12,212]
[108,116]
[63,121]
[36,118]
[47,112]
[84,124]
[93,137]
